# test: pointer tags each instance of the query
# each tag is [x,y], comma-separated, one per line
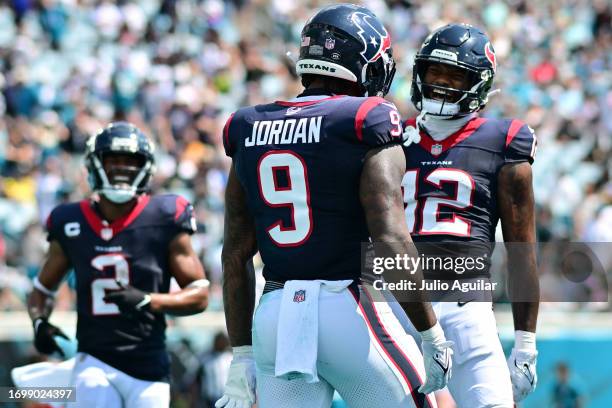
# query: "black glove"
[129,299]
[43,336]
[132,302]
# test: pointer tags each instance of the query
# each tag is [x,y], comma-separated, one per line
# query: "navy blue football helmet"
[467,48]
[349,42]
[121,183]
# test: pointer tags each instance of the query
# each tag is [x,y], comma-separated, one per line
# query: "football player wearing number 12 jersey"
[124,247]
[463,174]
[311,180]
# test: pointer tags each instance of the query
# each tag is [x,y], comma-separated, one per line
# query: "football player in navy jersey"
[124,246]
[463,174]
[311,180]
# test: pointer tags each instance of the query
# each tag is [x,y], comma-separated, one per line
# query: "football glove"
[129,299]
[522,365]
[240,385]
[134,304]
[437,357]
[43,337]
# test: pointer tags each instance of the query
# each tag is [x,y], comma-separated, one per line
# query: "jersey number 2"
[295,195]
[430,206]
[99,286]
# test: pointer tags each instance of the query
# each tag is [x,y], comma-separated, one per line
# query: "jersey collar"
[437,148]
[105,230]
[315,92]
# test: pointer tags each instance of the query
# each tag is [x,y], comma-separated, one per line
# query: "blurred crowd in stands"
[178,68]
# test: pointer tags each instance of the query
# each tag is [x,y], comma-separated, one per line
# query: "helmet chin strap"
[493,93]
[421,119]
[118,195]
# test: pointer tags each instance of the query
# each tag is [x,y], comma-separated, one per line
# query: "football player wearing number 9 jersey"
[311,180]
[124,246]
[464,173]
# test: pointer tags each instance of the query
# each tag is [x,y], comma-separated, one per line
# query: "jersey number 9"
[295,195]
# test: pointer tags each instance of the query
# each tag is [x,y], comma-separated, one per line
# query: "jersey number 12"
[428,209]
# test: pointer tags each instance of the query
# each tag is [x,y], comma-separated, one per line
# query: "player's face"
[121,169]
[447,76]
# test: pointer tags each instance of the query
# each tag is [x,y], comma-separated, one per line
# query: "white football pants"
[480,376]
[363,353]
[99,385]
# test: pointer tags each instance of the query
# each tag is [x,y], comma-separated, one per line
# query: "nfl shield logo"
[436,149]
[106,234]
[330,43]
[299,296]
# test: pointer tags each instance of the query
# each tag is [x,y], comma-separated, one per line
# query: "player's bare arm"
[517,213]
[40,304]
[188,272]
[384,210]
[516,208]
[239,247]
[40,301]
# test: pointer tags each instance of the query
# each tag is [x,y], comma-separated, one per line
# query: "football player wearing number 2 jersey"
[311,180]
[124,247]
[463,174]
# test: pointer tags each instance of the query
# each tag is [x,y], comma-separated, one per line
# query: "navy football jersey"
[450,187]
[300,164]
[134,251]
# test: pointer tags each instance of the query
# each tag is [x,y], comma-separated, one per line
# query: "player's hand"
[240,385]
[129,299]
[43,336]
[522,365]
[134,304]
[437,357]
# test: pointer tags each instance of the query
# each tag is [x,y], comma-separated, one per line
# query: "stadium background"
[178,68]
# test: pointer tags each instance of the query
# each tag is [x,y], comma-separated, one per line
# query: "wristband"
[434,334]
[36,322]
[242,352]
[524,340]
[36,283]
[200,283]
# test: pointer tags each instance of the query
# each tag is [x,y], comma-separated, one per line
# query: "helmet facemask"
[446,101]
[120,162]
[377,76]
[120,182]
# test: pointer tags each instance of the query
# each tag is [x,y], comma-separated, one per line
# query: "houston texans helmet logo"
[373,34]
[491,56]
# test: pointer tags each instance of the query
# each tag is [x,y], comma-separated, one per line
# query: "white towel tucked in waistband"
[298,328]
